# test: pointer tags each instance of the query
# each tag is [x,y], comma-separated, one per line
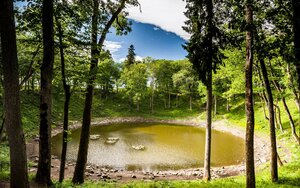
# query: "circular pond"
[153,146]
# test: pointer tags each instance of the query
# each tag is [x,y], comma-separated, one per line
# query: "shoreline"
[94,172]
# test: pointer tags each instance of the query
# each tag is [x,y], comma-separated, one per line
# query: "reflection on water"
[167,147]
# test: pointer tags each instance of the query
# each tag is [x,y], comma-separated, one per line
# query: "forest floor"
[94,172]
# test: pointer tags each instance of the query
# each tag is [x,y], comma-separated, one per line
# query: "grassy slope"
[115,107]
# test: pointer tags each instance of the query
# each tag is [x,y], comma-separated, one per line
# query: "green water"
[167,147]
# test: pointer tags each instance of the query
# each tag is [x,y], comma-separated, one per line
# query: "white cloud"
[166,14]
[112,46]
[137,58]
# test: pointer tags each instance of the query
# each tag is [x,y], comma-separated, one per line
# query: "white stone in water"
[112,140]
[138,147]
[94,137]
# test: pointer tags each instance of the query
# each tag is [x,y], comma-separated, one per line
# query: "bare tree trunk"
[215,111]
[279,118]
[296,28]
[250,167]
[96,48]
[292,124]
[191,108]
[227,105]
[78,177]
[43,175]
[169,99]
[291,85]
[66,103]
[18,158]
[152,102]
[207,160]
[274,167]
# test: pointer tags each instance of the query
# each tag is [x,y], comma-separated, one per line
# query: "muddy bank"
[95,172]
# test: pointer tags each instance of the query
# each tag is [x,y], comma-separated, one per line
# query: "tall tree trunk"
[152,102]
[43,175]
[286,108]
[279,118]
[292,124]
[250,168]
[18,158]
[274,167]
[227,105]
[296,28]
[207,159]
[169,100]
[191,107]
[291,85]
[78,177]
[66,103]
[215,103]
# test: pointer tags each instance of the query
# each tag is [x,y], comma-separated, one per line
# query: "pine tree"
[131,56]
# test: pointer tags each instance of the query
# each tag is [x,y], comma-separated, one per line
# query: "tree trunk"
[152,102]
[215,103]
[227,105]
[78,177]
[18,158]
[207,159]
[291,85]
[43,175]
[274,167]
[296,28]
[66,103]
[279,118]
[292,124]
[191,107]
[279,160]
[169,100]
[250,167]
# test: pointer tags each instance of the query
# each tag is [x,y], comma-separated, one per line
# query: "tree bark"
[286,108]
[43,175]
[78,177]
[207,158]
[291,85]
[296,28]
[18,158]
[169,100]
[274,167]
[66,103]
[250,168]
[292,124]
[191,107]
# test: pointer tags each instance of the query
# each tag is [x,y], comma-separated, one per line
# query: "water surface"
[167,147]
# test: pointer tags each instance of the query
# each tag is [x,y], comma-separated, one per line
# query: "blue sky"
[149,41]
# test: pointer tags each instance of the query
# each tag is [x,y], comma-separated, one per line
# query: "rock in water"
[138,147]
[112,140]
[94,137]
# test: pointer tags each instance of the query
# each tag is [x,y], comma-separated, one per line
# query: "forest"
[241,77]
